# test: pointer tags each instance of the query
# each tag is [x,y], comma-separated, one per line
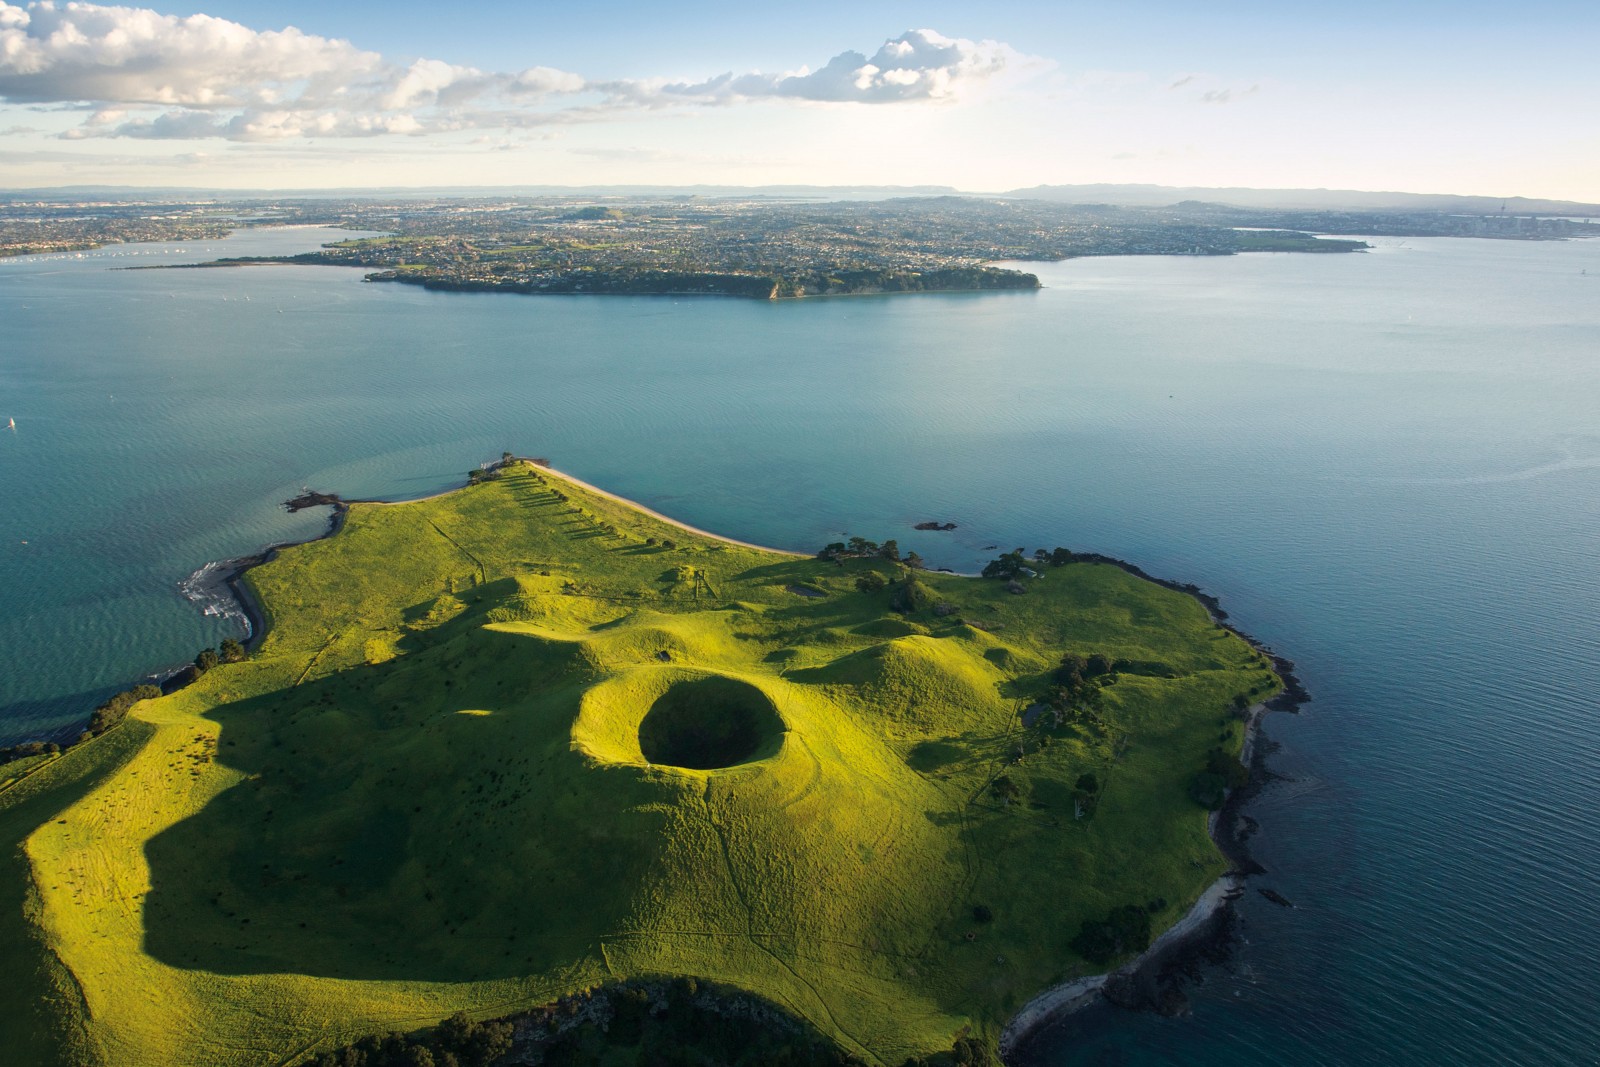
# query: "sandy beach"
[665,518]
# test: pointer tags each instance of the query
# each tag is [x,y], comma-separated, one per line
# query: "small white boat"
[11,424]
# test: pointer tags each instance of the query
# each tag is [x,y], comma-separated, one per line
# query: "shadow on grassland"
[39,1001]
[419,819]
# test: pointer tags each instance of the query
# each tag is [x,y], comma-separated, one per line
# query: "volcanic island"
[539,764]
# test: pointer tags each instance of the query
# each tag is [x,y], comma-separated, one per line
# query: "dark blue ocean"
[1387,465]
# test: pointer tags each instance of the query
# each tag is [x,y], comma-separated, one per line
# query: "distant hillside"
[780,192]
[1121,195]
[1301,199]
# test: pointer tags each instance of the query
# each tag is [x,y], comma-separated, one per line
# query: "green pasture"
[428,791]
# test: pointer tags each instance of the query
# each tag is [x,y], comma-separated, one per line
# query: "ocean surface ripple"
[1385,464]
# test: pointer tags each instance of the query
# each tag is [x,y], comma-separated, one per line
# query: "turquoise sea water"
[1387,465]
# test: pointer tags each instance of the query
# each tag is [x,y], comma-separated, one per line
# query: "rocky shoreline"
[1154,980]
[229,573]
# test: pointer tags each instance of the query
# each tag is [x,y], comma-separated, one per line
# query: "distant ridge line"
[1300,199]
[1121,195]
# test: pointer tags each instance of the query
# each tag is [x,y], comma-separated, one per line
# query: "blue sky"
[1466,98]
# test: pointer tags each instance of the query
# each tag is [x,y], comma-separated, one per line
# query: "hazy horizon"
[236,94]
[1126,195]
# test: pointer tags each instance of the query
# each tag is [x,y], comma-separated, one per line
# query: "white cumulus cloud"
[143,74]
[136,56]
[917,65]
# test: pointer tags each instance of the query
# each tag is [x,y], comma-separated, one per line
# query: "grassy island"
[523,739]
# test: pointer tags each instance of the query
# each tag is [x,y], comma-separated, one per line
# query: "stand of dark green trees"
[1125,929]
[667,1023]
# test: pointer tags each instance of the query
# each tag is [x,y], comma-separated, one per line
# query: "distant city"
[743,245]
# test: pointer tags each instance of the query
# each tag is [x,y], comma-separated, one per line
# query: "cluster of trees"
[1222,772]
[1079,681]
[1124,929]
[682,1026]
[116,707]
[679,1023]
[907,595]
[861,548]
[1014,564]
[230,651]
[891,280]
[456,1042]
[660,1024]
[28,748]
[115,710]
[491,471]
[1076,669]
[667,1024]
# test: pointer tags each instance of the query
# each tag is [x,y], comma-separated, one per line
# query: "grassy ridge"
[426,793]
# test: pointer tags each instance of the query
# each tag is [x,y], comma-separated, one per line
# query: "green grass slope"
[429,791]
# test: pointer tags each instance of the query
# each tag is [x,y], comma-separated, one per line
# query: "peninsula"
[755,247]
[525,744]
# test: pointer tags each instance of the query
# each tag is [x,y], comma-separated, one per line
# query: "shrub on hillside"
[910,596]
[1086,795]
[1004,788]
[871,582]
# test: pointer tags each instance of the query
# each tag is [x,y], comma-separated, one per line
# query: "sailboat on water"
[11,424]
